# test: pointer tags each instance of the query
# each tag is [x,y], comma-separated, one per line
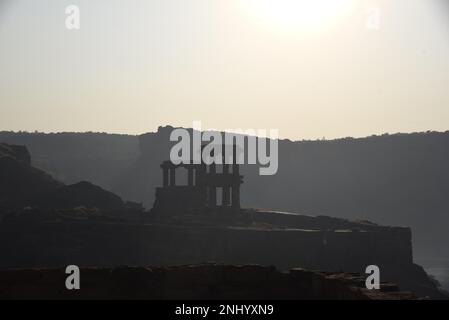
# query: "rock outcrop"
[205,282]
[54,242]
[22,185]
[83,194]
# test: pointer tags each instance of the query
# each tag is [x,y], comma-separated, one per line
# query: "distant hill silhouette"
[22,185]
[400,179]
[83,194]
[71,157]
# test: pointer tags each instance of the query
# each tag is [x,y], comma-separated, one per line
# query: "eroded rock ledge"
[208,281]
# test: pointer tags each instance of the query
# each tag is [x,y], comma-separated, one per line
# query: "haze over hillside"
[397,179]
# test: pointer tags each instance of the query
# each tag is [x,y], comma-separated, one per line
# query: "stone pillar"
[165,177]
[236,184]
[235,166]
[201,183]
[236,196]
[190,176]
[173,176]
[212,189]
[226,195]
[198,176]
[212,197]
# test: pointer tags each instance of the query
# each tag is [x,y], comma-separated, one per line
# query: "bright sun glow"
[294,15]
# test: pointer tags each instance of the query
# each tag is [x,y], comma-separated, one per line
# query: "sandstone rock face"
[209,281]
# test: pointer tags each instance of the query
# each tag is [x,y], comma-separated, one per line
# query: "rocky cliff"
[399,179]
[55,242]
[205,282]
[22,185]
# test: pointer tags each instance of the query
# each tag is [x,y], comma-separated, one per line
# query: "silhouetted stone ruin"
[206,185]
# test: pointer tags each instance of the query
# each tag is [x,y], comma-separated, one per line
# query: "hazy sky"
[310,68]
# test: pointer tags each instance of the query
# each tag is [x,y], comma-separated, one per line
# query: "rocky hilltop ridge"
[22,185]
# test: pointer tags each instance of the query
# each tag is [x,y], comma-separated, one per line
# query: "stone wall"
[113,244]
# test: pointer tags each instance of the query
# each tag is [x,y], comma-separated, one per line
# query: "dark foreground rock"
[209,281]
[86,242]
